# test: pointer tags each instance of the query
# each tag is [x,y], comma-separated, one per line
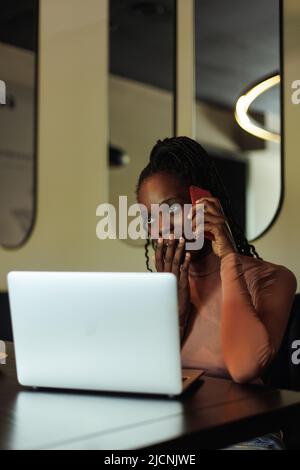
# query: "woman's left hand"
[215,223]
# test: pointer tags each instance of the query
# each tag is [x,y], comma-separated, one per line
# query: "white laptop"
[114,332]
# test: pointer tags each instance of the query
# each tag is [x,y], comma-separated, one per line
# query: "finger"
[159,261]
[168,259]
[215,229]
[211,201]
[211,207]
[215,200]
[178,257]
[203,207]
[211,215]
[195,208]
[214,219]
[202,231]
[219,229]
[184,271]
[196,215]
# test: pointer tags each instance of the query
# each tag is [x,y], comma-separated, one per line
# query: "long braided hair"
[187,158]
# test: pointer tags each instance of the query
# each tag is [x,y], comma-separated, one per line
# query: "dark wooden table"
[214,414]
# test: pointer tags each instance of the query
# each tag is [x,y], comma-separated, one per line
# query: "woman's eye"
[150,220]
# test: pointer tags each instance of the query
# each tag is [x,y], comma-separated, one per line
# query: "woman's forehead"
[162,187]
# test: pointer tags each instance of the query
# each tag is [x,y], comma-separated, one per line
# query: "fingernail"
[171,236]
[160,240]
[181,240]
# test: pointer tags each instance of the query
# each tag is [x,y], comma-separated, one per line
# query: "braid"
[147,255]
[187,159]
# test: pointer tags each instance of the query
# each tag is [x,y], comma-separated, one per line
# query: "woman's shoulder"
[259,269]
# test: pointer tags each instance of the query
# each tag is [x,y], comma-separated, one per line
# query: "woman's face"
[167,188]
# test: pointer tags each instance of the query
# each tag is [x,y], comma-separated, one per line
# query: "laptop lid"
[96,331]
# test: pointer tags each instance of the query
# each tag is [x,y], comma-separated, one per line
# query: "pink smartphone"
[197,193]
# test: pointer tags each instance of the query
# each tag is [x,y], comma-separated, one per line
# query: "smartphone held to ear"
[197,193]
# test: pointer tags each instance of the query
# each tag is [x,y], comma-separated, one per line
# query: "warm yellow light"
[242,107]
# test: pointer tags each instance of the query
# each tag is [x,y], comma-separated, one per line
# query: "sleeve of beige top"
[251,336]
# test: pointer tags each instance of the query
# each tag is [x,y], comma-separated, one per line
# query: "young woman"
[233,306]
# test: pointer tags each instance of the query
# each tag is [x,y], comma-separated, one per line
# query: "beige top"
[241,309]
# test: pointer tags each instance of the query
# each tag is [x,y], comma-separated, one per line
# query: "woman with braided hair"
[233,306]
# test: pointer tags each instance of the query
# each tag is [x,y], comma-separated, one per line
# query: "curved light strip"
[243,104]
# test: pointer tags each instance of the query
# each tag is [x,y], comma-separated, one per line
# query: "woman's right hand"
[176,261]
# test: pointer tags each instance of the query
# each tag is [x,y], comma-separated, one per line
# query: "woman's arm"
[252,324]
[251,335]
